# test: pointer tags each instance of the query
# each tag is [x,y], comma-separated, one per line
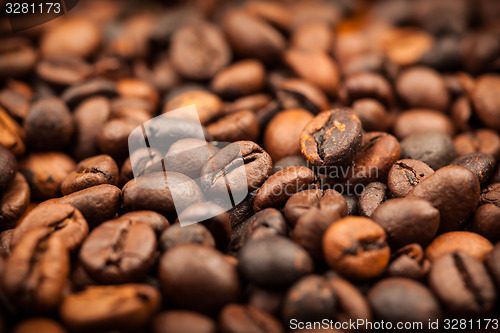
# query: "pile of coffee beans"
[364,134]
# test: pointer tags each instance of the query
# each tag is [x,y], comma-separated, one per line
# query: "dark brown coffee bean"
[454,191]
[332,138]
[462,284]
[266,223]
[407,221]
[182,321]
[36,271]
[236,318]
[212,216]
[16,98]
[266,300]
[17,56]
[187,156]
[492,263]
[114,137]
[154,192]
[310,299]
[433,148]
[41,325]
[405,174]
[373,195]
[63,69]
[352,204]
[378,152]
[486,100]
[61,220]
[241,125]
[422,87]
[316,67]
[480,141]
[403,300]
[242,165]
[356,247]
[156,221]
[486,222]
[241,78]
[82,91]
[5,238]
[118,251]
[90,116]
[482,165]
[422,120]
[461,113]
[160,73]
[408,262]
[252,37]
[300,94]
[14,201]
[208,105]
[198,278]
[366,85]
[471,243]
[326,200]
[283,184]
[288,162]
[490,195]
[372,114]
[95,309]
[12,136]
[8,168]
[189,234]
[288,263]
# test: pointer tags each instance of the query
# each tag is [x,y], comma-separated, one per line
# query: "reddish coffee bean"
[17,56]
[372,114]
[486,100]
[208,106]
[490,195]
[366,85]
[41,325]
[486,222]
[16,98]
[78,93]
[188,234]
[405,174]
[178,321]
[422,120]
[235,318]
[356,247]
[473,244]
[492,264]
[241,125]
[482,165]
[481,141]
[242,78]
[63,69]
[408,262]
[373,195]
[156,221]
[8,168]
[314,36]
[14,201]
[300,94]
[12,136]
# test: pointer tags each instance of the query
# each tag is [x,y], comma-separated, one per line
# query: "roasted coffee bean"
[97,203]
[119,251]
[314,36]
[288,263]
[63,69]
[266,300]
[97,170]
[433,148]
[409,262]
[16,98]
[462,284]
[114,137]
[300,94]
[461,113]
[14,201]
[486,222]
[422,120]
[473,244]
[492,263]
[366,85]
[5,238]
[277,14]
[288,162]
[90,116]
[208,105]
[198,50]
[283,184]
[12,136]
[76,94]
[242,78]
[36,271]
[454,191]
[291,122]
[45,172]
[212,216]
[486,100]
[332,138]
[326,200]
[373,195]
[41,325]
[372,114]
[406,174]
[95,309]
[17,56]
[316,67]
[156,221]
[378,152]
[154,192]
[188,234]
[403,300]
[252,37]
[356,247]
[236,318]
[490,195]
[422,87]
[243,210]
[182,321]
[352,204]
[8,168]
[407,221]
[241,125]
[310,299]
[132,89]
[198,278]
[61,220]
[243,166]
[266,223]
[480,141]
[482,165]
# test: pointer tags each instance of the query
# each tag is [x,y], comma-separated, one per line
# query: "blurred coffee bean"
[63,69]
[156,221]
[373,195]
[408,262]
[300,94]
[486,222]
[12,136]
[208,105]
[242,78]
[241,125]
[422,120]
[405,174]
[289,161]
[76,94]
[189,234]
[40,324]
[16,98]
[366,85]
[433,148]
[486,100]
[473,244]
[313,36]
[480,141]
[113,139]
[187,156]
[183,321]
[14,201]
[8,168]
[236,318]
[492,264]
[17,56]
[372,114]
